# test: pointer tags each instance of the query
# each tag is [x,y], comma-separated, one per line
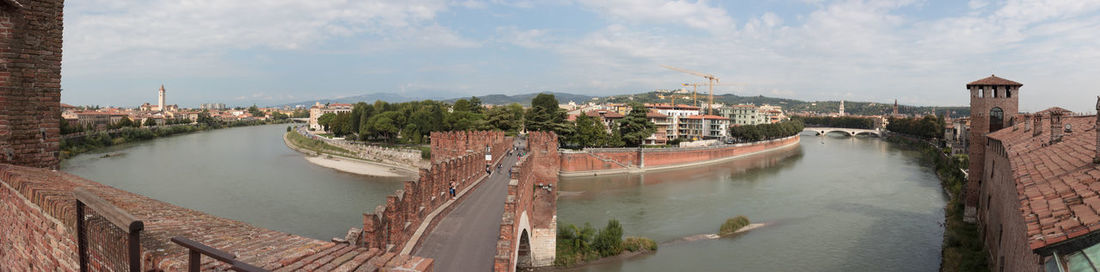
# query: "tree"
[506,118]
[325,120]
[341,124]
[475,104]
[636,127]
[150,122]
[545,115]
[461,105]
[589,131]
[255,112]
[125,122]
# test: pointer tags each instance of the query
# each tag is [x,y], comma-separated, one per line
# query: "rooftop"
[993,80]
[1056,183]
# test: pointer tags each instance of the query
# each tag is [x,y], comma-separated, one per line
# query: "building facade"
[319,109]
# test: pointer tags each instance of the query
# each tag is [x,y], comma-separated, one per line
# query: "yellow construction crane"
[711,81]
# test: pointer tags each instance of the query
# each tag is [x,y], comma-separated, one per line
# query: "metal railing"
[195,250]
[119,218]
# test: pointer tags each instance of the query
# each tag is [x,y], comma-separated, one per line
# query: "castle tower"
[160,98]
[994,102]
[895,107]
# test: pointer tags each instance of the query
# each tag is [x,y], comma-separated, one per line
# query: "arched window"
[996,119]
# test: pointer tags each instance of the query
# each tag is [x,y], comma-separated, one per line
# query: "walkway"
[466,240]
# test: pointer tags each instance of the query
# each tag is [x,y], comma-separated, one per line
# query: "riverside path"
[466,239]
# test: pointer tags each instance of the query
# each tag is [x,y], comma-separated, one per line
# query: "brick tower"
[30,82]
[994,103]
[160,99]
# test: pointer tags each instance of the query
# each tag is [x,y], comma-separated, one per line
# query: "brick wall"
[30,82]
[38,208]
[530,208]
[1003,229]
[623,159]
[981,102]
[31,238]
[456,157]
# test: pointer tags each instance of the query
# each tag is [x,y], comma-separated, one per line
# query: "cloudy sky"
[118,52]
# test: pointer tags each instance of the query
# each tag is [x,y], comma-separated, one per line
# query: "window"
[994,92]
[1008,93]
[996,119]
[981,93]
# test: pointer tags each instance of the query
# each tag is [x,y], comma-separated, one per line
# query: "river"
[243,173]
[834,203]
[831,204]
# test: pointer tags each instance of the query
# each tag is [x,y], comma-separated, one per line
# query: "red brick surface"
[37,214]
[1039,192]
[456,157]
[30,82]
[596,159]
[540,166]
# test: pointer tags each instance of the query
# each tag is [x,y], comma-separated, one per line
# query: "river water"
[834,203]
[243,173]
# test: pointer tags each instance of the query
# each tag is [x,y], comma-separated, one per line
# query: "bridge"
[847,131]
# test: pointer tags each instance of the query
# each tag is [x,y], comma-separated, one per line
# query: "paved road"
[466,240]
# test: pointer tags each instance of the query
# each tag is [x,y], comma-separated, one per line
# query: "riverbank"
[614,161]
[962,247]
[339,159]
[72,146]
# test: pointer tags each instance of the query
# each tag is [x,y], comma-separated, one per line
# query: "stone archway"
[523,251]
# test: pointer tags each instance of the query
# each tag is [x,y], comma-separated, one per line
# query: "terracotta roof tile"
[1057,183]
[994,80]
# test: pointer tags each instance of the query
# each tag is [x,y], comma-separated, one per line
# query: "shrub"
[733,224]
[636,244]
[609,241]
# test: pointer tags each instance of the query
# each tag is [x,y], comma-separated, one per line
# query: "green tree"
[545,115]
[255,111]
[150,122]
[325,120]
[126,122]
[589,131]
[506,118]
[635,126]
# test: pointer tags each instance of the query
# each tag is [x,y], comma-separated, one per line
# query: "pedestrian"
[452,189]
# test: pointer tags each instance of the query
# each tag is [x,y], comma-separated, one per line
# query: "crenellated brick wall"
[30,82]
[455,143]
[623,160]
[457,157]
[38,217]
[530,207]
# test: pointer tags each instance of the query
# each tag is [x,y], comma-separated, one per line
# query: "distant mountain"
[369,98]
[525,99]
[789,105]
[792,105]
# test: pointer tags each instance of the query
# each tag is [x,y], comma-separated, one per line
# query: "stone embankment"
[363,159]
[604,161]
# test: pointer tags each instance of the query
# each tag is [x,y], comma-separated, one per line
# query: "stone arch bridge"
[847,131]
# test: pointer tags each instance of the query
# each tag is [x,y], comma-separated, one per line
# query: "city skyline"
[923,52]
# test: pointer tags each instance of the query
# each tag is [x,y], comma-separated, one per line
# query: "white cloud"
[696,14]
[99,32]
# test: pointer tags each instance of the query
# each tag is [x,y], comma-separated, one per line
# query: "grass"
[639,244]
[733,224]
[314,145]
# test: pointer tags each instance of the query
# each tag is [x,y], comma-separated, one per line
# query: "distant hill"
[525,99]
[792,105]
[789,105]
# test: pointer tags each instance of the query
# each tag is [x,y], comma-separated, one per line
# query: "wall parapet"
[38,214]
[596,161]
[457,157]
[530,207]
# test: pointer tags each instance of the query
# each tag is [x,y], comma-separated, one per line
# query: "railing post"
[81,240]
[194,260]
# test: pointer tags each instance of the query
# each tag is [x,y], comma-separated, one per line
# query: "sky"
[268,52]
